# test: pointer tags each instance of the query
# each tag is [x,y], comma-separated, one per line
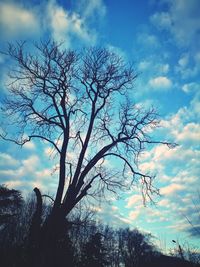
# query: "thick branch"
[36,220]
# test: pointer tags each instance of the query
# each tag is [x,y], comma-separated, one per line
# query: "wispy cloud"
[191,87]
[189,134]
[148,39]
[22,20]
[172,189]
[16,19]
[133,215]
[25,174]
[7,160]
[65,25]
[132,200]
[181,20]
[90,8]
[30,145]
[188,65]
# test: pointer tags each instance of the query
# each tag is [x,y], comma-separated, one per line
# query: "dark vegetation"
[86,243]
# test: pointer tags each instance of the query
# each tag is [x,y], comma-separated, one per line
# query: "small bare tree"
[79,103]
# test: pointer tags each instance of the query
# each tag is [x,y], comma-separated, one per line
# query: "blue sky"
[162,39]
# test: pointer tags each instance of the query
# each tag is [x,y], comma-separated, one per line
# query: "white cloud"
[186,114]
[183,126]
[114,49]
[182,20]
[164,68]
[156,215]
[164,203]
[191,87]
[43,174]
[184,60]
[29,145]
[65,25]
[148,40]
[195,107]
[6,160]
[149,167]
[111,215]
[160,82]
[144,65]
[179,226]
[132,200]
[114,208]
[161,20]
[133,215]
[160,156]
[50,152]
[15,20]
[178,168]
[172,189]
[25,174]
[30,163]
[122,220]
[159,68]
[187,176]
[188,64]
[189,134]
[26,168]
[92,8]
[15,184]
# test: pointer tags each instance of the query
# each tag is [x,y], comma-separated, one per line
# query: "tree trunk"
[48,243]
[53,247]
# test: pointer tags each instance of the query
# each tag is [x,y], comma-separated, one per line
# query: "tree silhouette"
[195,209]
[10,203]
[15,214]
[86,243]
[135,248]
[79,103]
[94,252]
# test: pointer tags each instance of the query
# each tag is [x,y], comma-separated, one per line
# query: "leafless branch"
[79,102]
[48,197]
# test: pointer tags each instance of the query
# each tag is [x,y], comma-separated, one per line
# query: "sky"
[162,39]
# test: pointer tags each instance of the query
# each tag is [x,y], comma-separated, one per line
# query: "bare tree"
[194,210]
[136,248]
[10,204]
[79,103]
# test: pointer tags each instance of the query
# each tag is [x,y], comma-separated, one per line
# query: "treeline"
[86,243]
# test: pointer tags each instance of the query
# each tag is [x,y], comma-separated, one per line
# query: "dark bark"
[53,239]
[35,229]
